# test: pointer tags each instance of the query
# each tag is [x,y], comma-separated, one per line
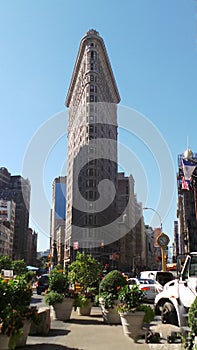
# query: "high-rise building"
[7,219]
[17,188]
[32,247]
[58,218]
[132,243]
[92,152]
[186,237]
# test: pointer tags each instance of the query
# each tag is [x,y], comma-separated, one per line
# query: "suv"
[42,283]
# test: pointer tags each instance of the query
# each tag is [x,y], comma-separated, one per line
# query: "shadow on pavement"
[36,300]
[82,321]
[47,347]
[53,332]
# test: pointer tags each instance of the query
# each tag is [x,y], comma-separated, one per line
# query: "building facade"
[132,245]
[58,219]
[7,220]
[186,238]
[92,151]
[32,247]
[17,188]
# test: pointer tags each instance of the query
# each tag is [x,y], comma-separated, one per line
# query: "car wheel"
[168,314]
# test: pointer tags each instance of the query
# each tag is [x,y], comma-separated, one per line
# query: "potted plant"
[83,303]
[11,324]
[59,294]
[15,311]
[191,339]
[132,312]
[84,273]
[108,296]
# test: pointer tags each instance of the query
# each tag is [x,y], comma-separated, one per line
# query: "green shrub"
[53,297]
[112,282]
[130,298]
[192,317]
[58,281]
[149,313]
[109,288]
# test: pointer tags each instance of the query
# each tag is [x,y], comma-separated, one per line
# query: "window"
[91,183]
[91,77]
[91,88]
[91,128]
[90,219]
[91,98]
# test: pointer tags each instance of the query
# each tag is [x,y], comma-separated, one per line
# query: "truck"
[177,296]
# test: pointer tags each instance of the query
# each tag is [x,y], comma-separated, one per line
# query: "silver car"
[149,286]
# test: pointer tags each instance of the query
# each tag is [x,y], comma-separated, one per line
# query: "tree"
[19,267]
[85,271]
[5,263]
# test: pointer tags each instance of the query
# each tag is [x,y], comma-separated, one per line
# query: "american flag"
[185,184]
[188,168]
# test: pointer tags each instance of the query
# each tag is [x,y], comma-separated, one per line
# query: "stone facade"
[186,238]
[92,148]
[16,188]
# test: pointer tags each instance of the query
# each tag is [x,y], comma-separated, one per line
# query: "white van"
[160,276]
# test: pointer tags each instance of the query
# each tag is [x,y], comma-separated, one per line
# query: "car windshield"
[132,281]
[146,281]
[164,277]
[43,278]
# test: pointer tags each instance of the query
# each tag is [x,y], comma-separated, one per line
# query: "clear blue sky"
[152,48]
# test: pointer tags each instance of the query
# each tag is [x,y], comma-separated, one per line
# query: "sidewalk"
[88,333]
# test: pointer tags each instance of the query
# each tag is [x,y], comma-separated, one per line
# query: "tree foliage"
[5,263]
[192,316]
[84,270]
[19,267]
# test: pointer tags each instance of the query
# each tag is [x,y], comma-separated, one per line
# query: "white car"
[149,286]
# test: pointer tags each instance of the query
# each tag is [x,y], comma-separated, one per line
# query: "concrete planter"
[4,342]
[132,323]
[111,315]
[44,324]
[62,311]
[85,310]
[21,341]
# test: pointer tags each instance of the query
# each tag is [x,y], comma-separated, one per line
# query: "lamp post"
[162,240]
[147,208]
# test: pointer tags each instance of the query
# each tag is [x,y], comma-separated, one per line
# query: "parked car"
[42,283]
[149,286]
[160,276]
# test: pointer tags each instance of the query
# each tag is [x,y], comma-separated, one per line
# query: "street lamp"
[147,208]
